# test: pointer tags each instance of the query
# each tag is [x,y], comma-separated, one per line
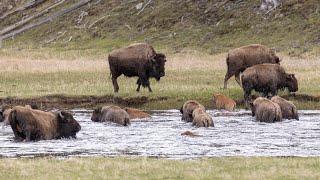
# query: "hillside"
[211,26]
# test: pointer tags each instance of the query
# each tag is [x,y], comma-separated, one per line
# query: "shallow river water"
[234,134]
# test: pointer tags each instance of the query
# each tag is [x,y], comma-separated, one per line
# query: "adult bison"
[246,56]
[33,125]
[201,118]
[187,109]
[267,78]
[111,113]
[288,109]
[5,111]
[265,110]
[138,59]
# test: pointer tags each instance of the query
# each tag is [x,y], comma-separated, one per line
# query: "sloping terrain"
[211,26]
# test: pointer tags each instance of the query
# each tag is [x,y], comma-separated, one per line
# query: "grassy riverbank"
[189,75]
[146,168]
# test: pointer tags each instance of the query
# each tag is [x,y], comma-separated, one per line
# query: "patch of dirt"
[69,102]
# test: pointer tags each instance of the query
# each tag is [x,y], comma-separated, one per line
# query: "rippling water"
[234,134]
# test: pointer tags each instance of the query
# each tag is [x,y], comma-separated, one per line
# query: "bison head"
[157,63]
[292,83]
[276,59]
[96,115]
[68,126]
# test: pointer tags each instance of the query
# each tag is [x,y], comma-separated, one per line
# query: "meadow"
[189,75]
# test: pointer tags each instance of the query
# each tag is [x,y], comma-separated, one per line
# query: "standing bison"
[201,118]
[267,78]
[33,125]
[187,109]
[246,56]
[136,60]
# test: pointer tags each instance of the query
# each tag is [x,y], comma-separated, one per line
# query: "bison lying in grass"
[139,60]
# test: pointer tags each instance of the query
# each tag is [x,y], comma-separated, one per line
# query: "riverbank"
[55,82]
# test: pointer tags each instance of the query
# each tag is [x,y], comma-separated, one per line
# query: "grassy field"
[146,168]
[189,75]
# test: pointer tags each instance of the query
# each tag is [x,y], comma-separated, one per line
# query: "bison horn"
[61,115]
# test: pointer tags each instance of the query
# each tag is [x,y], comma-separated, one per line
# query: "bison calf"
[187,109]
[246,56]
[267,78]
[139,60]
[288,109]
[33,125]
[221,101]
[111,113]
[265,110]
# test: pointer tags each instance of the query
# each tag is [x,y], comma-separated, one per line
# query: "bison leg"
[237,77]
[115,84]
[226,78]
[139,84]
[150,90]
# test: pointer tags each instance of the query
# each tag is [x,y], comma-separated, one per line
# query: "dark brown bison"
[201,118]
[136,113]
[288,109]
[187,109]
[267,78]
[221,101]
[136,60]
[33,125]
[111,113]
[246,56]
[265,110]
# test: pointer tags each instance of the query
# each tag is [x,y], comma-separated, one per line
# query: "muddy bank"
[71,102]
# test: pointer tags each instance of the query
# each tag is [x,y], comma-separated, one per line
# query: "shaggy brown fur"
[138,59]
[111,113]
[33,125]
[246,56]
[187,109]
[5,111]
[136,113]
[266,111]
[267,78]
[288,109]
[201,118]
[221,101]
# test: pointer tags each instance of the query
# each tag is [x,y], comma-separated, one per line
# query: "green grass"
[146,168]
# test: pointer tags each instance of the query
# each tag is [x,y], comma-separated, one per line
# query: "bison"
[265,110]
[34,125]
[139,60]
[288,109]
[201,118]
[5,111]
[111,113]
[136,113]
[221,101]
[267,78]
[187,109]
[246,56]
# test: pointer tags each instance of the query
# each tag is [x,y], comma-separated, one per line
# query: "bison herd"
[255,67]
